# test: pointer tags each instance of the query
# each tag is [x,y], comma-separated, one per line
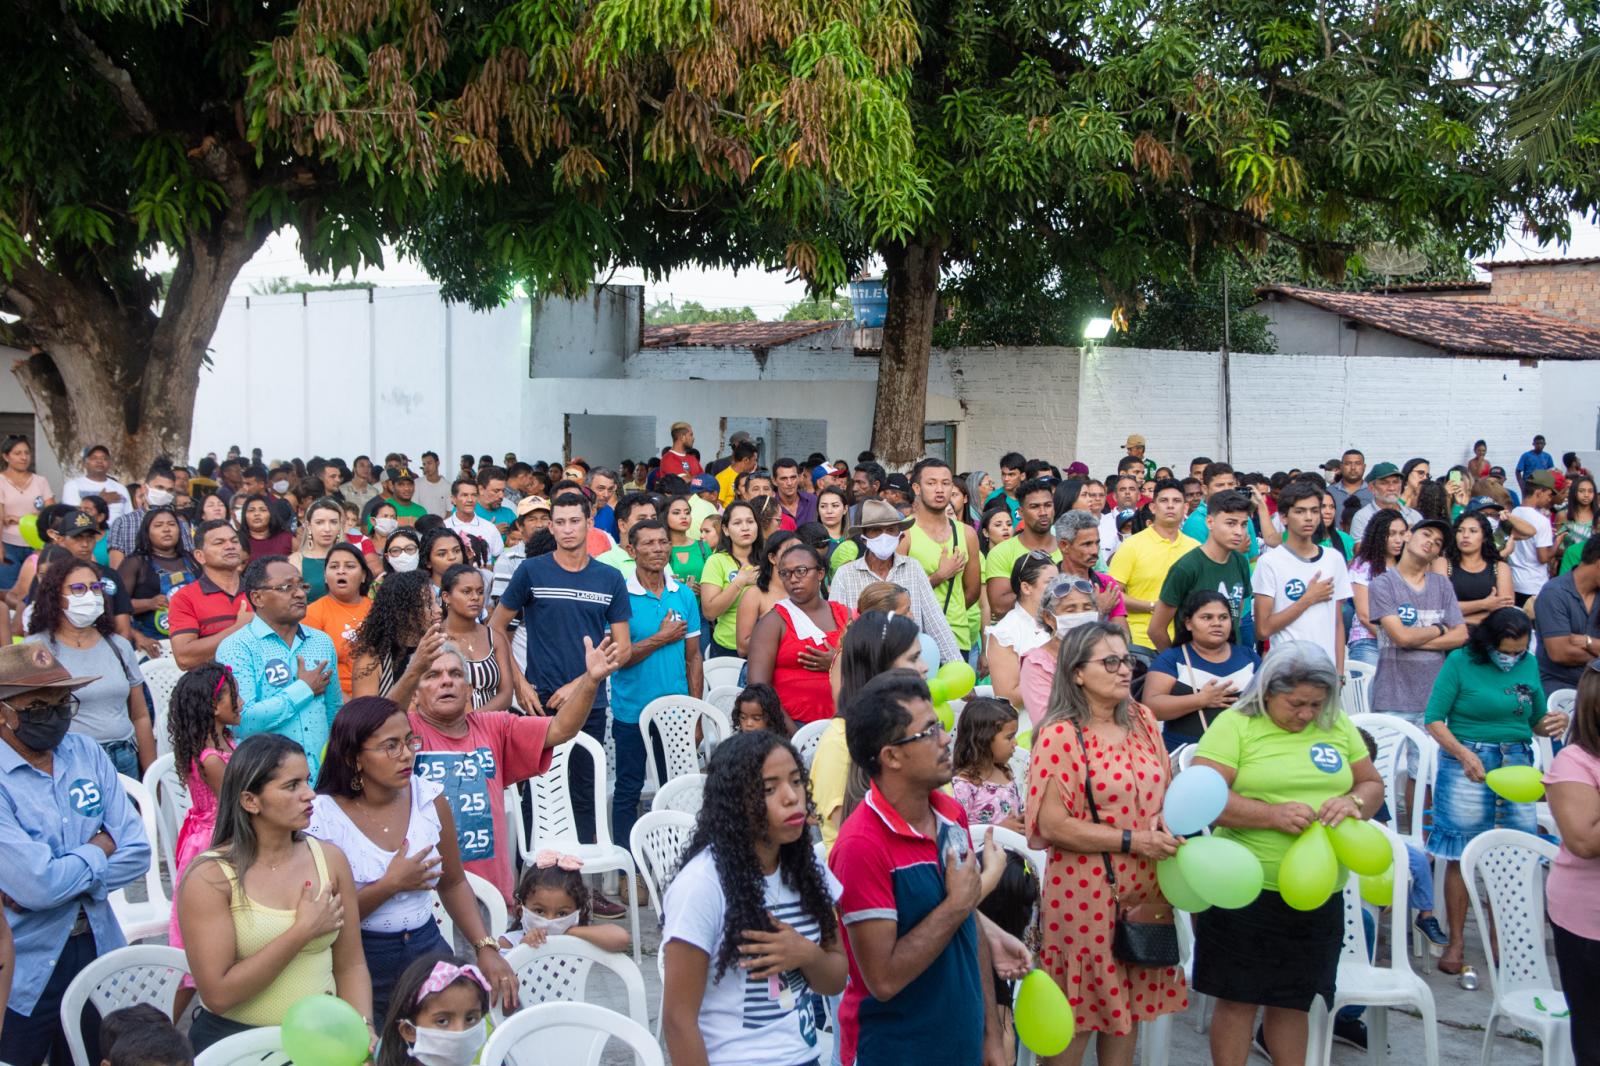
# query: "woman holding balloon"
[1486,705]
[1096,784]
[1296,767]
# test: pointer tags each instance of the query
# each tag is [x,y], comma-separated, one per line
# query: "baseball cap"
[74,523]
[1382,470]
[529,504]
[1484,503]
[821,471]
[1434,523]
[1544,479]
[898,482]
[399,473]
[705,483]
[1135,440]
[1332,464]
[1078,470]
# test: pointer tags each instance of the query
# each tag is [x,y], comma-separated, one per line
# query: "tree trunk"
[912,276]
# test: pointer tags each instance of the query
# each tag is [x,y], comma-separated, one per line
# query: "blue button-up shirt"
[273,698]
[50,868]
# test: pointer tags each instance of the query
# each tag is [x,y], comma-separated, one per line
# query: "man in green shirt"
[1038,512]
[1219,563]
[402,486]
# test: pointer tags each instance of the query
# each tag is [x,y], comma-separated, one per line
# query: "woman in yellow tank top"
[263,912]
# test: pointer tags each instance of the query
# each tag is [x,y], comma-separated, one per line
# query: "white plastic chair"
[657,843]
[681,794]
[143,973]
[1179,758]
[573,1034]
[722,672]
[161,782]
[723,697]
[151,916]
[807,738]
[1392,735]
[162,676]
[1357,695]
[557,971]
[515,825]
[1361,982]
[677,718]
[256,1047]
[555,826]
[1512,865]
[488,897]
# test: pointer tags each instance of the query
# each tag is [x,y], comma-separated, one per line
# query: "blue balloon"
[1194,800]
[930,653]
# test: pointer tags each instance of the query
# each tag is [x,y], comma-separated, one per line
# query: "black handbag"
[1142,935]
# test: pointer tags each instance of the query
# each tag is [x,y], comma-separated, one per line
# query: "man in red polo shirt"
[677,460]
[204,611]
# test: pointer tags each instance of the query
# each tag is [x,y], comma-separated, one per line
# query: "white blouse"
[1019,631]
[402,911]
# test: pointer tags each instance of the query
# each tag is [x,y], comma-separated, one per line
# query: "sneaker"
[1258,1043]
[1350,1031]
[1429,927]
[601,907]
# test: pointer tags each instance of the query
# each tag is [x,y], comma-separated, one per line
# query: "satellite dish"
[1392,261]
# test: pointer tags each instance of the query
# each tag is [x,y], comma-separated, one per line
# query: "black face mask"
[43,731]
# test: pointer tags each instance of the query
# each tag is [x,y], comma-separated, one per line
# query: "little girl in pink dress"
[204,708]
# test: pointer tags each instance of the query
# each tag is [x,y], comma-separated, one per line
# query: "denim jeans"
[124,755]
[31,1039]
[11,563]
[630,775]
[388,955]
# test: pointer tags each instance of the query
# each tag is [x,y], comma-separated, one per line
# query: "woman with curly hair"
[749,936]
[399,637]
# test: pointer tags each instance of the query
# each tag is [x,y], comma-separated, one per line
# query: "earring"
[355,783]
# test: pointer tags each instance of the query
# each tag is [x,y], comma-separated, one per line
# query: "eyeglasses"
[1115,663]
[400,549]
[799,571]
[78,588]
[932,731]
[287,587]
[394,745]
[67,708]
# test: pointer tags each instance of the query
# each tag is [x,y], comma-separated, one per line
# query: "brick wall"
[1568,289]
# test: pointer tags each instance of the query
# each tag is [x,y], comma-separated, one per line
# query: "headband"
[445,974]
[548,858]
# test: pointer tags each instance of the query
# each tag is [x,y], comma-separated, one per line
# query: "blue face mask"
[1506,662]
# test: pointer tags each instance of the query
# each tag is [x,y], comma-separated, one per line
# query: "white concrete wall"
[1012,397]
[1173,398]
[1571,419]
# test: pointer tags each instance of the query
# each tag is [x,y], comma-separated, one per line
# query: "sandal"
[1443,968]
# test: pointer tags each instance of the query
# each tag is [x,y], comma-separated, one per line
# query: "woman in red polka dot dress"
[1090,712]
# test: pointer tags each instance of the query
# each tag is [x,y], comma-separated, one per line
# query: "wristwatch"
[486,942]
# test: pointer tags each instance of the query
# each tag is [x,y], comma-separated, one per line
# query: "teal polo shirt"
[665,672]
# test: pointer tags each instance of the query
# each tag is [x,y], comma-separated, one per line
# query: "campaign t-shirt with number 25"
[498,749]
[1274,765]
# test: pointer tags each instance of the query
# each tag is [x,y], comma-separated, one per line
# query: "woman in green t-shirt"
[732,569]
[1486,705]
[1290,757]
[688,554]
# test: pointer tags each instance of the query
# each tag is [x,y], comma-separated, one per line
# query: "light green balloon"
[1362,847]
[1310,870]
[1043,1016]
[325,1031]
[1378,890]
[1175,887]
[1519,784]
[1222,872]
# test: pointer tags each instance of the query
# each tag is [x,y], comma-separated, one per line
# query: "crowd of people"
[370,658]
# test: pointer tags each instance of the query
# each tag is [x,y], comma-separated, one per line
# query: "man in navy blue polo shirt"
[921,985]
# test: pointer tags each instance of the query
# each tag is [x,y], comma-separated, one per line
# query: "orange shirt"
[340,621]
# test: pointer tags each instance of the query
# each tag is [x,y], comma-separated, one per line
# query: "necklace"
[273,866]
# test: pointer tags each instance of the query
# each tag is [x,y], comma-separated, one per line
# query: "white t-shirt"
[740,1020]
[434,495]
[479,527]
[1528,574]
[77,488]
[1109,539]
[1284,576]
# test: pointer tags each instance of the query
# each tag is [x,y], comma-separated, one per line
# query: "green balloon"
[325,1031]
[1309,871]
[1043,1016]
[1169,875]
[952,681]
[1519,784]
[1362,847]
[1378,889]
[1222,872]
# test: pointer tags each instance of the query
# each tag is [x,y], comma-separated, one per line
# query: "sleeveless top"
[1470,586]
[807,695]
[952,600]
[389,671]
[254,927]
[485,675]
[403,911]
[312,572]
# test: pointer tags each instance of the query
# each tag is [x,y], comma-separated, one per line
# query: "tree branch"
[119,80]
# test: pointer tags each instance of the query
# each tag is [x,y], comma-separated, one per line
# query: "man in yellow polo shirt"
[743,461]
[1141,562]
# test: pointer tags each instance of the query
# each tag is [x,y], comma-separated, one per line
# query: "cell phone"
[1455,477]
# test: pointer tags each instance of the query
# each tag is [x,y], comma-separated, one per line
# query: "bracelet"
[1127,841]
[1360,806]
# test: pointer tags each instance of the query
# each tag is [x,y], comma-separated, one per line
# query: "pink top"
[987,802]
[18,503]
[1572,891]
[1038,676]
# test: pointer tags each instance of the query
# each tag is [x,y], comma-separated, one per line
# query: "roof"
[1473,329]
[755,335]
[1579,261]
[1432,286]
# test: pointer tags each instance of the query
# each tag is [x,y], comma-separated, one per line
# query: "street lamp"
[1097,329]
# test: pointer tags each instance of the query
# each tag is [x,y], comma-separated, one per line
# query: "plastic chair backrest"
[724,670]
[489,899]
[573,1034]
[657,843]
[125,977]
[553,818]
[1357,695]
[723,697]
[162,676]
[808,738]
[1355,932]
[254,1047]
[681,794]
[557,971]
[676,718]
[154,891]
[1511,864]
[1011,840]
[172,807]
[1392,735]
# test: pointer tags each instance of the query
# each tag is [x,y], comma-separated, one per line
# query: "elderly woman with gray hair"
[1096,783]
[475,756]
[1290,757]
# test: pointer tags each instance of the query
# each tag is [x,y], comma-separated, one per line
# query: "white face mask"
[280,487]
[883,545]
[384,526]
[84,610]
[1065,622]
[404,564]
[551,926]
[448,1047]
[159,497]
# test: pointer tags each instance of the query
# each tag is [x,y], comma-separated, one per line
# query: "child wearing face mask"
[986,738]
[438,1015]
[554,901]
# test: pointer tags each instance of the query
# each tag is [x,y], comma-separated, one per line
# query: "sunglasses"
[67,708]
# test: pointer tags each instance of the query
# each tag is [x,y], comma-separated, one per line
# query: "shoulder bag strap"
[955,546]
[1205,723]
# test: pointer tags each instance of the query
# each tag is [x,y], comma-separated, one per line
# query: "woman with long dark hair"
[489,666]
[1577,520]
[22,493]
[1202,674]
[748,910]
[398,639]
[730,571]
[323,528]
[261,529]
[443,548]
[402,552]
[341,612]
[1413,476]
[399,835]
[263,912]
[155,569]
[1481,578]
[1380,548]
